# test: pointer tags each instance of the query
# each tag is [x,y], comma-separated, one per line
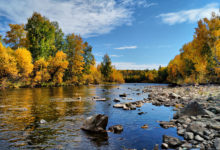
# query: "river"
[50,118]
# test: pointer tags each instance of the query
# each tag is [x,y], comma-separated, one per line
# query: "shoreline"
[197,117]
[173,85]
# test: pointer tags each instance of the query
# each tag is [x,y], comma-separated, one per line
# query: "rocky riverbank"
[197,118]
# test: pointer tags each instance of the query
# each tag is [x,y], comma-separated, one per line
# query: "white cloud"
[126,47]
[191,15]
[115,55]
[85,17]
[134,66]
[139,3]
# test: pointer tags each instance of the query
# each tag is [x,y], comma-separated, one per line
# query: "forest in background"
[197,63]
[39,54]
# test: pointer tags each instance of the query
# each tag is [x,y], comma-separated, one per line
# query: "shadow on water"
[99,139]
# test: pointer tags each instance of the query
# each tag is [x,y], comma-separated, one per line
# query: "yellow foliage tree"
[57,66]
[24,62]
[8,64]
[41,73]
[116,76]
[94,77]
[75,47]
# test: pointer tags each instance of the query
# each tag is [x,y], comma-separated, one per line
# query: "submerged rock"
[156,147]
[144,126]
[116,100]
[96,98]
[116,128]
[166,124]
[96,123]
[123,95]
[140,113]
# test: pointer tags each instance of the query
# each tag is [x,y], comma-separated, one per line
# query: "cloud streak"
[113,55]
[134,66]
[191,15]
[85,17]
[126,47]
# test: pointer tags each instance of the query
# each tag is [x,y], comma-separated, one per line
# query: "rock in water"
[42,121]
[171,141]
[116,128]
[144,126]
[156,147]
[123,95]
[166,124]
[96,123]
[192,109]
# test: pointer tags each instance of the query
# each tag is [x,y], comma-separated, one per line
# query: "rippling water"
[22,110]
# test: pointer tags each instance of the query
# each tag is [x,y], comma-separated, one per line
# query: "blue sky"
[137,34]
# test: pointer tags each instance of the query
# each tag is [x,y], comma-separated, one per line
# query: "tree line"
[39,54]
[197,63]
[146,76]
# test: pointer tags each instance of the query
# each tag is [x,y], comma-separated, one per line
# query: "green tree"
[1,38]
[41,36]
[59,40]
[106,67]
[88,58]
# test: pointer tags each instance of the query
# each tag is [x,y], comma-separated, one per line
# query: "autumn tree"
[24,62]
[8,64]
[16,37]
[106,67]
[41,36]
[41,73]
[57,66]
[196,62]
[116,76]
[74,51]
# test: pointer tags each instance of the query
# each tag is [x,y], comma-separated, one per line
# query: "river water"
[50,118]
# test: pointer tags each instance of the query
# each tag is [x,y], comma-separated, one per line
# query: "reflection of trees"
[40,136]
[22,110]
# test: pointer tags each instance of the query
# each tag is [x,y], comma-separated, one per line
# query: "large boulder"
[172,141]
[196,128]
[192,109]
[96,123]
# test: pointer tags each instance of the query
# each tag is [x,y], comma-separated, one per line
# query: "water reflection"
[21,111]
